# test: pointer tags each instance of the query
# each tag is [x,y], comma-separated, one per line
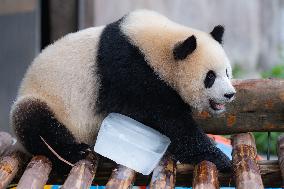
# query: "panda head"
[190,61]
[203,72]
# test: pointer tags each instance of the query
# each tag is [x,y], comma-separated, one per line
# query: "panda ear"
[217,33]
[184,48]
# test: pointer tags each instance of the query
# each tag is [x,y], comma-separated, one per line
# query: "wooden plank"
[280,152]
[247,174]
[121,178]
[36,173]
[270,173]
[164,175]
[82,174]
[205,176]
[258,106]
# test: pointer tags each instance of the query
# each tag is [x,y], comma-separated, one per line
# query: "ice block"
[131,143]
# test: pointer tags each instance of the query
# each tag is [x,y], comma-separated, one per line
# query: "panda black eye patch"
[210,79]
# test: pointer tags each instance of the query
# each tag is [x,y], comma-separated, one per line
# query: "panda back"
[64,77]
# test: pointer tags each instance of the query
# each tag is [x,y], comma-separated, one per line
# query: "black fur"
[184,48]
[130,87]
[217,33]
[209,79]
[33,118]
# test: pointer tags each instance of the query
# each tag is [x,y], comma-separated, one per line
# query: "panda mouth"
[216,106]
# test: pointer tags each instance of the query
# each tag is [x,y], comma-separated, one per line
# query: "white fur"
[63,76]
[156,36]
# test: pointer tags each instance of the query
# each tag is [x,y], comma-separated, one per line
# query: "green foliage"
[238,71]
[276,72]
[261,139]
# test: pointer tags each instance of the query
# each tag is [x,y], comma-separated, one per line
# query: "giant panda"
[144,66]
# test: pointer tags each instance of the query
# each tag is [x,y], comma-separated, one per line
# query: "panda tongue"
[219,106]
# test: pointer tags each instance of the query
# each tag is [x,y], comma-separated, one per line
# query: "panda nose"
[229,95]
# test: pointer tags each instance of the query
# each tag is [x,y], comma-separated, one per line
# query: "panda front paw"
[214,155]
[222,162]
[224,165]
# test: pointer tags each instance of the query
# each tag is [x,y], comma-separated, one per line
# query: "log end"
[205,176]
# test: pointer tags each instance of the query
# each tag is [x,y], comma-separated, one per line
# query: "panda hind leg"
[33,119]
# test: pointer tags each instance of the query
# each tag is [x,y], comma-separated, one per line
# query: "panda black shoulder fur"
[143,66]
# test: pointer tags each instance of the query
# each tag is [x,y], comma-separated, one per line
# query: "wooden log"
[269,170]
[270,173]
[164,175]
[280,153]
[246,170]
[205,176]
[6,140]
[9,166]
[258,107]
[36,173]
[121,178]
[82,174]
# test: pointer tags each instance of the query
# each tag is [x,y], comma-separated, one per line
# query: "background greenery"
[262,137]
